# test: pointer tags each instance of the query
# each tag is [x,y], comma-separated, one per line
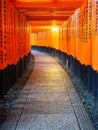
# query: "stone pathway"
[48,101]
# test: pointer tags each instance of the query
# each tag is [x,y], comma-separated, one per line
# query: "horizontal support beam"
[65,4]
[45,23]
[42,3]
[46,18]
[48,12]
[47,8]
[37,9]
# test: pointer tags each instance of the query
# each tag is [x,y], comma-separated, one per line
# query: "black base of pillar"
[11,73]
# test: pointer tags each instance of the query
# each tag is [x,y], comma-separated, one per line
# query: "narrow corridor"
[48,101]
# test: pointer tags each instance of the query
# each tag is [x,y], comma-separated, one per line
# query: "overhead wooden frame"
[47,10]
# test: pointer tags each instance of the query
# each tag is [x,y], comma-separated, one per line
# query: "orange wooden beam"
[66,4]
[45,23]
[46,18]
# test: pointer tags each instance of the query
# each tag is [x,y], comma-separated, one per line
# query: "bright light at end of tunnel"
[55,29]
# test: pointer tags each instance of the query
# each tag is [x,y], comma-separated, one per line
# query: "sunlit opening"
[55,29]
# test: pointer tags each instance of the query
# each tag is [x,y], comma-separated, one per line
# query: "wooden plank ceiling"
[45,13]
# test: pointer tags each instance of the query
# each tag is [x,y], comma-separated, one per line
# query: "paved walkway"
[48,101]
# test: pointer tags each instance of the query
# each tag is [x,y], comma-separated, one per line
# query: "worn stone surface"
[48,101]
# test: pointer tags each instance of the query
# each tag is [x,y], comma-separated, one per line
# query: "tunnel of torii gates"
[67,29]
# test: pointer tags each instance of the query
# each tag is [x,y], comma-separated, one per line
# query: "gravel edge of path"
[13,93]
[87,98]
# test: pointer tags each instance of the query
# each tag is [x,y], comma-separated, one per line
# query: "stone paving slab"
[48,122]
[50,107]
[47,96]
[48,101]
[48,89]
